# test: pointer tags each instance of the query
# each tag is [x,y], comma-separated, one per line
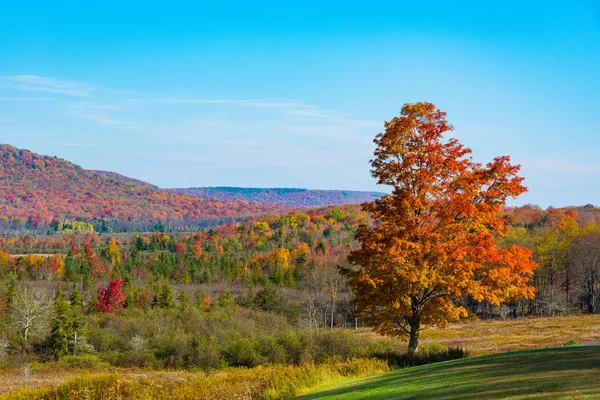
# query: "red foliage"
[110,298]
[180,248]
[37,190]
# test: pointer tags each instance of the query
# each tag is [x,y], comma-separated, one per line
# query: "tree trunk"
[568,289]
[415,330]
[332,312]
[75,344]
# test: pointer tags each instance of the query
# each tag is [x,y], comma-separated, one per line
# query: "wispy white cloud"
[562,165]
[100,114]
[34,83]
[25,98]
[295,107]
[150,114]
[25,134]
[69,144]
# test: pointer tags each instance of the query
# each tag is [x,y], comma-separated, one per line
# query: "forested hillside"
[279,269]
[37,191]
[295,198]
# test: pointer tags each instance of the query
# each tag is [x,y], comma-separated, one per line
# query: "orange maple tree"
[434,238]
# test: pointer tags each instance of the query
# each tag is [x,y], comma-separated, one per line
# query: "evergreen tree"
[61,328]
[76,318]
[225,299]
[166,298]
[132,291]
[11,292]
[267,298]
[69,274]
[76,298]
[184,300]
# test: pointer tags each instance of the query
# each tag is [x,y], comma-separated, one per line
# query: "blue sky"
[289,94]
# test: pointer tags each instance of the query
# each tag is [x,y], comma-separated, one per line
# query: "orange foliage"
[434,239]
[56,264]
[4,262]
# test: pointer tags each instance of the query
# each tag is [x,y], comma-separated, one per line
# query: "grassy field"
[482,337]
[560,373]
[497,336]
[273,382]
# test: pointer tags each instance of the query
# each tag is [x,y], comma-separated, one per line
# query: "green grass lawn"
[559,373]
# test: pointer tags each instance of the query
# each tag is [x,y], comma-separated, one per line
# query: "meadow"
[497,336]
[274,382]
[62,379]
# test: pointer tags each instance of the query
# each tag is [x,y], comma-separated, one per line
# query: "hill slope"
[538,374]
[296,198]
[40,189]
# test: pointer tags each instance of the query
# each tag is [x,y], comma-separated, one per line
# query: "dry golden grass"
[497,336]
[16,379]
[259,383]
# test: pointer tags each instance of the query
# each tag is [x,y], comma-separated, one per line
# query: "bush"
[292,346]
[241,353]
[139,359]
[572,342]
[321,346]
[425,355]
[86,361]
[204,354]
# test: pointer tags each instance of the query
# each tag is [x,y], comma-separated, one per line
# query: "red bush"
[111,298]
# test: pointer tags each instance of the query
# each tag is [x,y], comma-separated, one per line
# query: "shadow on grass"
[541,374]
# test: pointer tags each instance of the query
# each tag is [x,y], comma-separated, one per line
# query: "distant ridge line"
[289,197]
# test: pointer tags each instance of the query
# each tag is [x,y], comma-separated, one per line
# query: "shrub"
[86,361]
[110,298]
[425,355]
[292,346]
[339,344]
[139,359]
[241,353]
[204,354]
[572,342]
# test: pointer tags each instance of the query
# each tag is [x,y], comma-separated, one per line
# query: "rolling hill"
[558,373]
[295,198]
[37,190]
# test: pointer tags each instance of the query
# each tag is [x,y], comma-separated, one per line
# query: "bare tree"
[334,281]
[30,312]
[315,309]
[585,256]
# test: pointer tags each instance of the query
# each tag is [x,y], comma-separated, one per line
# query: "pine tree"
[225,299]
[11,292]
[76,328]
[75,317]
[76,297]
[61,328]
[268,297]
[184,300]
[166,298]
